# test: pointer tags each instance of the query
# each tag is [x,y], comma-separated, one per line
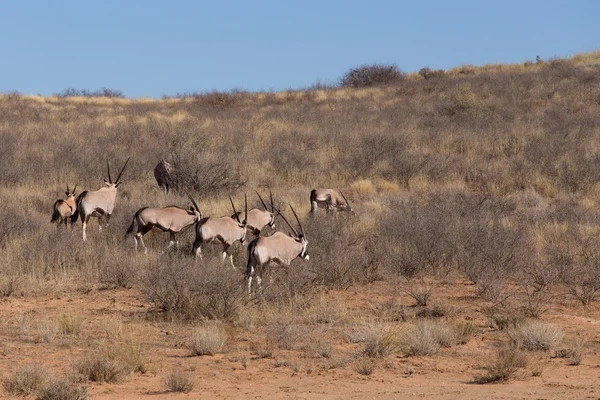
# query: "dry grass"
[379,339]
[426,337]
[535,336]
[180,382]
[113,362]
[63,390]
[208,340]
[508,364]
[27,380]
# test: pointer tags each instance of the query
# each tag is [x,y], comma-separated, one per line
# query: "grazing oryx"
[163,172]
[99,203]
[170,219]
[257,219]
[329,199]
[64,209]
[279,248]
[224,230]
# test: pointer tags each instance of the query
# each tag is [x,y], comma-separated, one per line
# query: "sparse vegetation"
[208,340]
[180,382]
[475,193]
[27,380]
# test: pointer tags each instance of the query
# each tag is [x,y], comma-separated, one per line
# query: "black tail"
[134,223]
[55,213]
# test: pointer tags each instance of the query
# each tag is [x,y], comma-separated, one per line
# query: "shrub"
[379,339]
[179,382]
[104,92]
[428,73]
[27,380]
[364,366]
[62,390]
[371,75]
[113,362]
[208,340]
[508,362]
[536,336]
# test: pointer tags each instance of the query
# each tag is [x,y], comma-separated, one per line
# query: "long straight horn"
[298,220]
[68,191]
[272,205]
[108,167]
[245,209]
[237,217]
[122,169]
[262,201]
[346,200]
[75,188]
[192,200]
[288,224]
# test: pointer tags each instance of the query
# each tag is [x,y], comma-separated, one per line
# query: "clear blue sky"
[150,48]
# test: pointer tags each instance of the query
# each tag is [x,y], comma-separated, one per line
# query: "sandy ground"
[292,374]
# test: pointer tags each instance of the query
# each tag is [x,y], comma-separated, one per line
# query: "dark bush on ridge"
[371,75]
[104,92]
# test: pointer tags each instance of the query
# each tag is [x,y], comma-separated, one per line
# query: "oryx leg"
[225,254]
[84,221]
[171,239]
[313,206]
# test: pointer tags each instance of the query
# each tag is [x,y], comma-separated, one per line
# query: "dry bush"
[63,390]
[427,336]
[104,92]
[112,363]
[364,366]
[208,340]
[27,380]
[188,289]
[508,363]
[535,336]
[180,382]
[285,332]
[69,325]
[371,75]
[574,356]
[379,339]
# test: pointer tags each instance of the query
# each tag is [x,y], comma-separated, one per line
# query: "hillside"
[476,218]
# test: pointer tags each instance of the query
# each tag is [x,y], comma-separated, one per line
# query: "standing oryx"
[163,172]
[99,203]
[329,199]
[170,219]
[64,209]
[279,248]
[256,218]
[225,230]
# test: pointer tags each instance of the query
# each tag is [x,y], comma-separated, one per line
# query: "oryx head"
[110,183]
[344,207]
[299,237]
[243,223]
[194,209]
[71,193]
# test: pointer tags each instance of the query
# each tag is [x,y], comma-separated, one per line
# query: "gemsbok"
[328,199]
[170,219]
[279,248]
[99,203]
[257,219]
[224,230]
[65,209]
[163,172]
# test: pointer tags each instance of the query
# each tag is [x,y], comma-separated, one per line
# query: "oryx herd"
[279,247]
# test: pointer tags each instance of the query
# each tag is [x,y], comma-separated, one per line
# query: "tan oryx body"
[163,172]
[328,199]
[257,219]
[224,230]
[170,219]
[65,209]
[100,203]
[279,248]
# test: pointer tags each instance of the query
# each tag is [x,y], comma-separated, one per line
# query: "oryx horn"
[192,200]
[262,201]
[272,205]
[237,217]
[288,224]
[122,169]
[108,167]
[298,220]
[75,188]
[345,199]
[245,209]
